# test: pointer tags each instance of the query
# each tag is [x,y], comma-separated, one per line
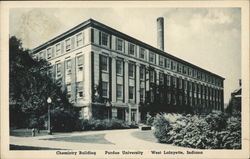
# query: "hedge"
[213,131]
[106,124]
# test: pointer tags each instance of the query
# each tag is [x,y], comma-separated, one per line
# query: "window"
[69,90]
[179,69]
[79,40]
[133,115]
[190,86]
[142,91]
[49,53]
[119,44]
[167,63]
[198,74]
[189,71]
[58,70]
[194,73]
[161,61]
[68,66]
[198,88]
[142,73]
[185,70]
[203,90]
[180,99]
[58,49]
[131,92]
[185,100]
[152,76]
[203,76]
[79,68]
[104,63]
[79,88]
[174,82]
[180,83]
[168,80]
[161,78]
[119,91]
[168,98]
[131,49]
[80,63]
[119,67]
[151,57]
[185,85]
[68,71]
[174,99]
[131,70]
[104,89]
[173,65]
[104,39]
[195,87]
[142,53]
[68,46]
[41,55]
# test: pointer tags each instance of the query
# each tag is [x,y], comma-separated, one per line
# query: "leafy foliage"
[213,131]
[30,86]
[106,124]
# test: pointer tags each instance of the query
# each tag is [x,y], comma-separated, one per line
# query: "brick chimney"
[160,33]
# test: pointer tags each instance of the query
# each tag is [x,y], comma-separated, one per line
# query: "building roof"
[93,23]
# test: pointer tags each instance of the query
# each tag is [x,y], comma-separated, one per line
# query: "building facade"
[108,73]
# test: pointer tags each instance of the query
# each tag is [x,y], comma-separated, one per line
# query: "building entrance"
[121,113]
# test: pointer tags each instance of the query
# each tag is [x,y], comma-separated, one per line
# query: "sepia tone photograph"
[126,81]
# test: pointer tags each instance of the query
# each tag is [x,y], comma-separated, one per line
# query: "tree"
[30,86]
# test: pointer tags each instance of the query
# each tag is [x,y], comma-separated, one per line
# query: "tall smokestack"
[160,33]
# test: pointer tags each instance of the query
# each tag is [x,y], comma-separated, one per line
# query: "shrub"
[62,119]
[106,124]
[162,127]
[213,131]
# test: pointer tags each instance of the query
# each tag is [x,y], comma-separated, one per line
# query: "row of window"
[119,91]
[68,68]
[62,47]
[211,94]
[163,61]
[79,90]
[119,67]
[172,99]
[152,74]
[198,89]
[68,75]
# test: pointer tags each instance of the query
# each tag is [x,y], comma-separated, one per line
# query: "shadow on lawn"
[92,139]
[19,147]
[145,135]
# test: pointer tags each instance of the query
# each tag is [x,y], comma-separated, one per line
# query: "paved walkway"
[120,138]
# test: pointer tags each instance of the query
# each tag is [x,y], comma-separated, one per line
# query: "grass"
[93,139]
[145,135]
[18,147]
[26,132]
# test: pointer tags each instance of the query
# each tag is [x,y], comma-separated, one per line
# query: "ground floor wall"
[101,111]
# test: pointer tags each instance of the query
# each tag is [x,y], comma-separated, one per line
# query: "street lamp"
[49,102]
[108,105]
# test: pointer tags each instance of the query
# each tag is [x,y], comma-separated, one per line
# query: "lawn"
[26,132]
[145,135]
[92,139]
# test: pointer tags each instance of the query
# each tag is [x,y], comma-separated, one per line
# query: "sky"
[207,37]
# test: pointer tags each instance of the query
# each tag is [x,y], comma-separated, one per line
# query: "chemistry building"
[109,74]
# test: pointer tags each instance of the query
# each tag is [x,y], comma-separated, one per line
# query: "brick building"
[108,73]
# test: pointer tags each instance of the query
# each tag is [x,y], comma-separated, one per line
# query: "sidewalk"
[120,138]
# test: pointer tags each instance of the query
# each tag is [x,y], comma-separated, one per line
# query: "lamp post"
[49,102]
[108,105]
